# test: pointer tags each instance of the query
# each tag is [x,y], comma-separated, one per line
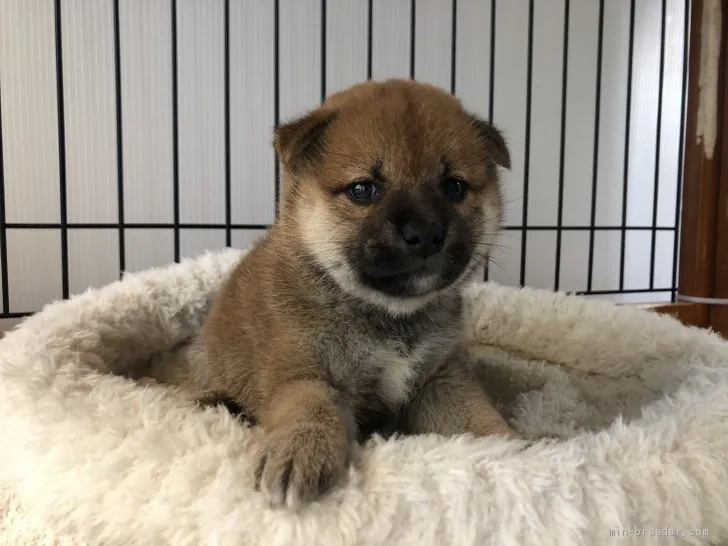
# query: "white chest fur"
[400,374]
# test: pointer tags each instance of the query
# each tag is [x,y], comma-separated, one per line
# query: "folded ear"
[494,142]
[300,142]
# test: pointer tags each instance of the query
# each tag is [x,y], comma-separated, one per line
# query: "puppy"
[345,319]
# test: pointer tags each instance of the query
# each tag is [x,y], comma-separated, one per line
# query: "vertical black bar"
[453,45]
[491,78]
[119,140]
[527,154]
[562,150]
[175,135]
[595,161]
[61,150]
[276,97]
[625,186]
[3,227]
[491,87]
[323,50]
[228,164]
[658,139]
[413,25]
[681,150]
[370,32]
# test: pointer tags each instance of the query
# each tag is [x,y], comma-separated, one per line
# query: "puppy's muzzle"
[422,239]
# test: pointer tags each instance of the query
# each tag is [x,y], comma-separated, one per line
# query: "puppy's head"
[393,189]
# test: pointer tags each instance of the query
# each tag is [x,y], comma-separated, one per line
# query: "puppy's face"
[393,187]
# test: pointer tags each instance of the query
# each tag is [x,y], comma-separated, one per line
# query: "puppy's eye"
[454,189]
[363,191]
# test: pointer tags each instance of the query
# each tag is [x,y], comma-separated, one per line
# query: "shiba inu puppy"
[345,319]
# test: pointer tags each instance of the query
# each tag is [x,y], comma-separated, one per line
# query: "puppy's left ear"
[495,144]
[300,143]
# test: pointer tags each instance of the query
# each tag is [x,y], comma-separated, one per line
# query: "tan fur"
[453,402]
[300,343]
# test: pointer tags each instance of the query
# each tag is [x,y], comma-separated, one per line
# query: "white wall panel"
[391,39]
[670,165]
[511,67]
[34,268]
[643,114]
[580,111]
[300,57]
[252,108]
[93,258]
[541,258]
[201,73]
[346,43]
[664,250]
[195,242]
[612,124]
[574,261]
[548,40]
[607,246]
[147,248]
[433,42]
[90,110]
[637,259]
[472,74]
[146,92]
[29,114]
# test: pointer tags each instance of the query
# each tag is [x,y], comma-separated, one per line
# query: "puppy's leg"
[230,404]
[452,402]
[309,431]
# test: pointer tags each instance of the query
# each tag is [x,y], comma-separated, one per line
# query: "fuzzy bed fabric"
[92,453]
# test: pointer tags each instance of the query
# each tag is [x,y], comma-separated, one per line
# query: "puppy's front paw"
[299,464]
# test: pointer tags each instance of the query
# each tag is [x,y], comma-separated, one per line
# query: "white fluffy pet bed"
[90,456]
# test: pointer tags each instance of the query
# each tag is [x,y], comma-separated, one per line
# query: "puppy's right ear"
[495,144]
[300,143]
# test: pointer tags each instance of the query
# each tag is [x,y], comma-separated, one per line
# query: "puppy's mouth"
[404,285]
[415,277]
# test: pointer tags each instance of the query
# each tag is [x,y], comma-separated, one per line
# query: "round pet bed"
[635,407]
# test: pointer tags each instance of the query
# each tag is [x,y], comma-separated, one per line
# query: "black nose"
[423,238]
